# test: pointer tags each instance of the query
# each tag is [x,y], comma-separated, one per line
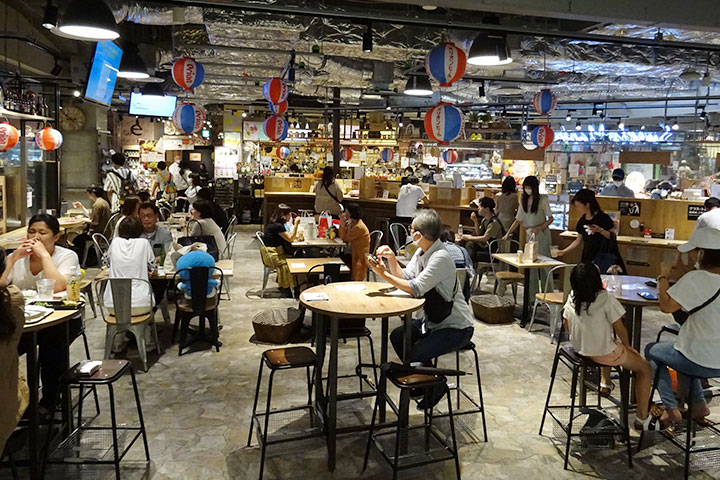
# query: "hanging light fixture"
[153,90]
[489,49]
[481,89]
[88,20]
[702,115]
[568,117]
[578,126]
[367,39]
[418,86]
[131,65]
[675,125]
[50,19]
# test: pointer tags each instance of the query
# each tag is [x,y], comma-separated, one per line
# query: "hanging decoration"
[278,108]
[275,90]
[48,139]
[444,123]
[282,152]
[188,118]
[446,63]
[346,154]
[450,156]
[276,128]
[542,136]
[8,136]
[387,155]
[188,73]
[544,101]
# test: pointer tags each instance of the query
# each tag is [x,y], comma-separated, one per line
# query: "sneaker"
[429,401]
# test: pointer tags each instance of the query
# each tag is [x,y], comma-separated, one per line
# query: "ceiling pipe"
[384,17]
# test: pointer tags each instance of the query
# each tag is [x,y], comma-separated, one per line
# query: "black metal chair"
[69,451]
[567,416]
[278,359]
[435,447]
[199,305]
[474,407]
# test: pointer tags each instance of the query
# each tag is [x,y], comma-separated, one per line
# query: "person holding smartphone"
[354,232]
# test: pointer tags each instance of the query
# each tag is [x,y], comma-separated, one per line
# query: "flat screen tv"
[103,73]
[152,105]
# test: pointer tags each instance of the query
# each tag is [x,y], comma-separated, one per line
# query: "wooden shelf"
[23,116]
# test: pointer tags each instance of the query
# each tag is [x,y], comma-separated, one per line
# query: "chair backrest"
[375,240]
[190,222]
[330,272]
[461,274]
[165,214]
[199,277]
[263,251]
[121,290]
[111,224]
[230,246]
[230,227]
[102,245]
[396,230]
[500,246]
[566,269]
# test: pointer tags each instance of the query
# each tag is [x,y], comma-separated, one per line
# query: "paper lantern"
[542,136]
[276,128]
[450,156]
[188,73]
[8,136]
[188,118]
[446,63]
[278,108]
[544,101]
[282,152]
[275,90]
[346,154]
[387,155]
[444,123]
[48,139]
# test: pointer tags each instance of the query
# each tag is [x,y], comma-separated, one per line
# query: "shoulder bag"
[437,309]
[681,316]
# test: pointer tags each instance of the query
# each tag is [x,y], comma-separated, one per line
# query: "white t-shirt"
[709,219]
[408,199]
[162,177]
[699,337]
[207,226]
[591,333]
[63,258]
[180,181]
[131,258]
[191,194]
[543,207]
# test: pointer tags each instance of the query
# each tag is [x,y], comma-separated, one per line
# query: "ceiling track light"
[621,124]
[418,86]
[367,39]
[481,89]
[50,18]
[578,126]
[489,49]
[675,125]
[88,20]
[703,115]
[568,117]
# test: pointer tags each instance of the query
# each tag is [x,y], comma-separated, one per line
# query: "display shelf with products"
[560,208]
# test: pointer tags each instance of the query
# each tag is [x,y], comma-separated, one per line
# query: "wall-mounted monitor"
[152,105]
[103,73]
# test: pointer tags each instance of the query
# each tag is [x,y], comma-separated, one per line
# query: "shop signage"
[613,136]
[631,209]
[694,211]
[574,187]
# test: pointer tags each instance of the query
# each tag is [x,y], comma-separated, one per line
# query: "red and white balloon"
[276,128]
[275,90]
[188,73]
[8,136]
[450,156]
[444,123]
[544,101]
[446,63]
[346,154]
[387,155]
[188,118]
[278,108]
[48,139]
[282,152]
[542,136]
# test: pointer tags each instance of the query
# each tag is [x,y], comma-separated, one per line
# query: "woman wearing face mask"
[534,214]
[448,324]
[427,175]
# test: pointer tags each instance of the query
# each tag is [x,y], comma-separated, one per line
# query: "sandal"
[606,389]
[650,424]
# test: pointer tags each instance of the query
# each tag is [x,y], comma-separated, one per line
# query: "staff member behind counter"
[618,187]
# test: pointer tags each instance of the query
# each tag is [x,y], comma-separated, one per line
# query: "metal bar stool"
[82,438]
[566,416]
[406,379]
[283,359]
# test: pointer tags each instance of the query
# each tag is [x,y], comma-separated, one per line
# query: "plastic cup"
[554,251]
[519,256]
[45,289]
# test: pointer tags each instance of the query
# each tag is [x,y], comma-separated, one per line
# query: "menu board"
[226,160]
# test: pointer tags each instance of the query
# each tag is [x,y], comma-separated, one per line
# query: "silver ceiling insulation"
[239,48]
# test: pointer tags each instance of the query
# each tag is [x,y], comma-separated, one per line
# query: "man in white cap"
[696,350]
[618,187]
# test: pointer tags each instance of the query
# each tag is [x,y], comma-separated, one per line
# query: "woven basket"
[277,326]
[492,308]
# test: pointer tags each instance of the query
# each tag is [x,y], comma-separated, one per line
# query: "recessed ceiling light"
[429,8]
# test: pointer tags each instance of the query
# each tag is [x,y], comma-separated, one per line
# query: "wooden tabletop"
[626,239]
[361,300]
[226,265]
[299,266]
[631,286]
[541,262]
[320,242]
[55,318]
[14,238]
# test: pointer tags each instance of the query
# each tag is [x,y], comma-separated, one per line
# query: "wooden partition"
[289,184]
[374,187]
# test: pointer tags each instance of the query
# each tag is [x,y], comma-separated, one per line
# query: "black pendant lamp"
[418,86]
[131,65]
[88,20]
[489,49]
[153,90]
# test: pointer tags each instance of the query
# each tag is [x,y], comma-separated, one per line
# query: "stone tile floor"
[197,407]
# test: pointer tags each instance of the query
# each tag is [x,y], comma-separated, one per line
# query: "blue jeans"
[432,344]
[663,355]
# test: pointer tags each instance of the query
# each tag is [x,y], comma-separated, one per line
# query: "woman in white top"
[203,223]
[328,194]
[594,319]
[131,257]
[697,349]
[507,202]
[38,257]
[192,192]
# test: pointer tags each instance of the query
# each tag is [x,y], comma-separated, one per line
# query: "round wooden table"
[348,300]
[58,317]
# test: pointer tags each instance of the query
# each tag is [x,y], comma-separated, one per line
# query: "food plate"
[59,304]
[35,313]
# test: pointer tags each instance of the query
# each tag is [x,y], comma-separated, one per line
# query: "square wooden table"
[301,266]
[319,243]
[541,262]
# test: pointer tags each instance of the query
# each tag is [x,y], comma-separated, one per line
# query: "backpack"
[127,185]
[170,188]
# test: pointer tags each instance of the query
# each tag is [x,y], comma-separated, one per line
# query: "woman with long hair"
[595,234]
[328,194]
[14,393]
[354,232]
[277,240]
[129,208]
[507,202]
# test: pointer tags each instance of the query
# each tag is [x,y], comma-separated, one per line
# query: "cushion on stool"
[109,371]
[469,346]
[555,298]
[568,351]
[292,357]
[415,380]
